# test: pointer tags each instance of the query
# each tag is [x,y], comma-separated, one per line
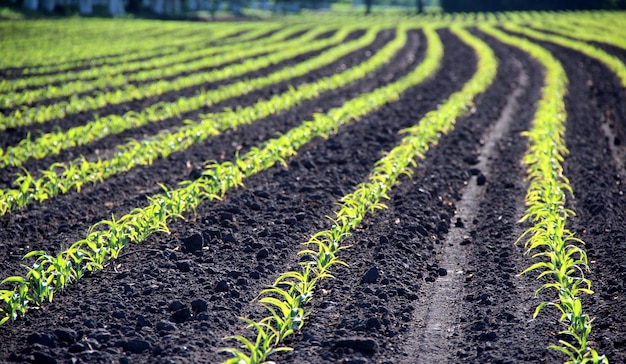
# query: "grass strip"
[54,143]
[560,253]
[106,239]
[285,300]
[61,177]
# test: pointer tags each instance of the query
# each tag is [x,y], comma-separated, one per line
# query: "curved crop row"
[61,178]
[599,22]
[562,258]
[51,273]
[53,143]
[40,36]
[565,28]
[75,55]
[42,114]
[285,306]
[111,52]
[209,57]
[196,50]
[611,61]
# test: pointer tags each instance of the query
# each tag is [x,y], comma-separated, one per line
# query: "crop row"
[611,61]
[223,37]
[208,57]
[560,254]
[51,273]
[71,56]
[61,177]
[285,306]
[41,114]
[53,143]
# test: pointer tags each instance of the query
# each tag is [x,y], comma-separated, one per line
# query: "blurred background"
[223,9]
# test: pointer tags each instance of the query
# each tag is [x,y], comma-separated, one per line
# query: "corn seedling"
[286,313]
[562,258]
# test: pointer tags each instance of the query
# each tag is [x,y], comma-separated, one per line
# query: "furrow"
[292,290]
[52,143]
[216,180]
[132,187]
[100,77]
[560,254]
[126,157]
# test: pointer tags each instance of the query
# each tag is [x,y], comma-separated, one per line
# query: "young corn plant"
[286,312]
[76,173]
[561,257]
[94,250]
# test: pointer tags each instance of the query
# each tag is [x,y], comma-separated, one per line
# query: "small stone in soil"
[367,346]
[41,338]
[262,254]
[136,346]
[176,305]
[199,305]
[77,348]
[181,315]
[142,321]
[102,335]
[43,358]
[184,266]
[165,326]
[221,286]
[490,336]
[373,323]
[65,334]
[481,179]
[193,243]
[371,275]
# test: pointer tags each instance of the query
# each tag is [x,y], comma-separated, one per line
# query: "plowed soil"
[433,278]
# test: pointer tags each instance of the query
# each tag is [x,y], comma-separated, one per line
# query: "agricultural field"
[323,189]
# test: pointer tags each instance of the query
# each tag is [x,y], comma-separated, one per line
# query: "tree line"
[453,6]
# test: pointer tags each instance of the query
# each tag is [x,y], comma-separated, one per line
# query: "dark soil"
[12,73]
[599,192]
[17,134]
[124,192]
[174,297]
[50,101]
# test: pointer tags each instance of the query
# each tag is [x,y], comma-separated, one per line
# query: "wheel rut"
[436,321]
